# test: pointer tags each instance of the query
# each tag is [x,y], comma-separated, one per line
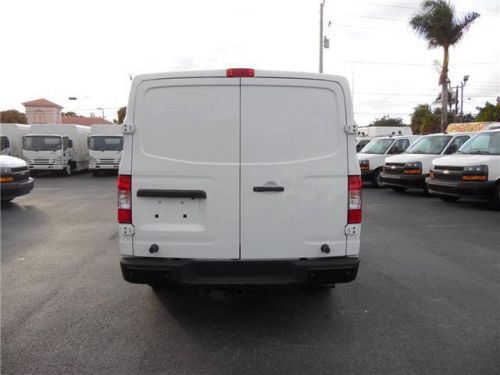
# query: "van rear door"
[185,168]
[293,168]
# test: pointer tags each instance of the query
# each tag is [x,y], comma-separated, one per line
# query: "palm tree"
[438,23]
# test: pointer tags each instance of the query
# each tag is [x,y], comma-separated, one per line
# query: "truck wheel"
[495,197]
[399,189]
[67,171]
[377,179]
[449,198]
[95,173]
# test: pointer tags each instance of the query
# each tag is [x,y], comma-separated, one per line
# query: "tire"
[448,198]
[68,171]
[95,173]
[495,197]
[377,179]
[399,189]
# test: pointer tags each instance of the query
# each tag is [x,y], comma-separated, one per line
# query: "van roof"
[222,73]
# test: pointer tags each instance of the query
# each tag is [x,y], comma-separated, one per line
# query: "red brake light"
[355,184]
[240,72]
[124,199]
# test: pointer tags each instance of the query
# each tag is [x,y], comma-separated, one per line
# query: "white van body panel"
[14,133]
[57,160]
[104,159]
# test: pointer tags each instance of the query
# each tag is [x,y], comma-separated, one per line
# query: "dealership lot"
[426,299]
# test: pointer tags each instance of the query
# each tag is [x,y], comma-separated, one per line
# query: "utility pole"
[462,85]
[321,6]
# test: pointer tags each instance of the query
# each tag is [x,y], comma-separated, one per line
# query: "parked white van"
[239,177]
[372,156]
[409,169]
[105,148]
[57,147]
[11,139]
[474,171]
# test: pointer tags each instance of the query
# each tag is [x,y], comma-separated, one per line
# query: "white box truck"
[57,147]
[239,177]
[383,131]
[105,148]
[11,139]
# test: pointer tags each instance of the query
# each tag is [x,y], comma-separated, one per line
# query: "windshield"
[106,143]
[4,142]
[485,143]
[377,146]
[42,143]
[430,145]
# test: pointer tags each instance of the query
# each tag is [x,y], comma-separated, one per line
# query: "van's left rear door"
[185,168]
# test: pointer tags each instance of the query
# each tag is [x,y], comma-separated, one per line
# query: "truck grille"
[394,168]
[448,173]
[40,161]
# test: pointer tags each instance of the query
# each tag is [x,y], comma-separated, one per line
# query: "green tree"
[439,25]
[387,121]
[69,114]
[13,117]
[121,113]
[424,120]
[489,112]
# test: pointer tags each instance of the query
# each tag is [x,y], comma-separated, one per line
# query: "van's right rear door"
[185,168]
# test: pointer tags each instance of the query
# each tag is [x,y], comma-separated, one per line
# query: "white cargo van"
[239,177]
[372,156]
[105,148]
[474,171]
[383,131]
[11,139]
[409,169]
[57,147]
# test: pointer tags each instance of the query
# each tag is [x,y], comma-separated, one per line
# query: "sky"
[89,49]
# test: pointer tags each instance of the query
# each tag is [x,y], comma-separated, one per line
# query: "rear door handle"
[260,189]
[161,193]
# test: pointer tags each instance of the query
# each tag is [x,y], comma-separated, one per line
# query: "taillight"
[354,192]
[124,199]
[240,72]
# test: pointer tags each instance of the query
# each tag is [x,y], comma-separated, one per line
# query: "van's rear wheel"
[449,198]
[399,189]
[495,197]
[377,179]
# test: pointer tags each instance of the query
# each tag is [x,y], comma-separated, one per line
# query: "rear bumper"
[461,188]
[417,181]
[16,188]
[103,167]
[241,273]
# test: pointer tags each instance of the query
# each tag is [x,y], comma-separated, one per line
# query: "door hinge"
[351,230]
[128,128]
[351,129]
[127,229]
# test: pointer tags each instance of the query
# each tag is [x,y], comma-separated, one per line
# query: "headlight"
[364,164]
[413,168]
[475,173]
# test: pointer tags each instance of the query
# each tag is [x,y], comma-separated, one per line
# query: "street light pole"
[321,6]
[462,85]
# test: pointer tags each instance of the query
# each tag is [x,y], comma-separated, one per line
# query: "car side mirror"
[70,143]
[395,150]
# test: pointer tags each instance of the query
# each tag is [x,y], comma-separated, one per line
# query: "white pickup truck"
[474,171]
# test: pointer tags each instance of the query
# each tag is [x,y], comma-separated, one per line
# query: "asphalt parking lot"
[427,297]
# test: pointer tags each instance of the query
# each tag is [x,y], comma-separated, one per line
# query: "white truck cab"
[409,169]
[239,177]
[57,147]
[474,171]
[372,156]
[105,148]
